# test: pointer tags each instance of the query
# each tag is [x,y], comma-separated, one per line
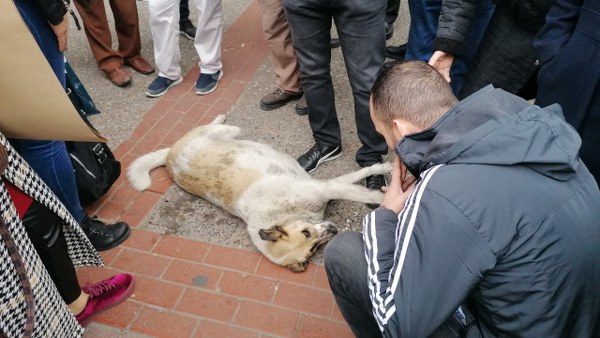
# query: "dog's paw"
[220,119]
[382,168]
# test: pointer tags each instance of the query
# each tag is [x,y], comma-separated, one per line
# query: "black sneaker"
[187,29]
[334,43]
[104,236]
[389,31]
[375,182]
[319,153]
[396,53]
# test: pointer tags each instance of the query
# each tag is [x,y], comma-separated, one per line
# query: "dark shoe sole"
[118,242]
[301,111]
[187,36]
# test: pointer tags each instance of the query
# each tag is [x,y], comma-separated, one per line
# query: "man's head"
[407,98]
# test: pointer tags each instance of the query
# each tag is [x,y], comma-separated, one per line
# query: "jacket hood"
[497,128]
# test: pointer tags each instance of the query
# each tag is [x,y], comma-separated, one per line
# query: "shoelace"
[94,290]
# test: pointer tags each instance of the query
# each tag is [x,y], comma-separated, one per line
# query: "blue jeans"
[50,159]
[360,26]
[424,16]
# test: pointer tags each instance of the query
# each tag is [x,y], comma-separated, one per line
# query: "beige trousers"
[278,36]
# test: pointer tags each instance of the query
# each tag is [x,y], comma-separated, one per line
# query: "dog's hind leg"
[375,169]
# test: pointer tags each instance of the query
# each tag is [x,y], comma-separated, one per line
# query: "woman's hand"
[442,61]
[61,30]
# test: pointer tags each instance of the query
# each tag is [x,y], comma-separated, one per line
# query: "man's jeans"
[360,27]
[424,16]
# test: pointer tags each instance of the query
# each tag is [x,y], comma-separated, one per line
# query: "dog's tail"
[138,173]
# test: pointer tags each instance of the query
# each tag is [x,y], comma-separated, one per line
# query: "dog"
[281,204]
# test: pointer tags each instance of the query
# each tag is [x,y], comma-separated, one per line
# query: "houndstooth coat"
[52,316]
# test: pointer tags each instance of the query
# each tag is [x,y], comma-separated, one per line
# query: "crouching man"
[499,233]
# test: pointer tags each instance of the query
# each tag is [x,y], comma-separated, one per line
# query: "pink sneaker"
[105,294]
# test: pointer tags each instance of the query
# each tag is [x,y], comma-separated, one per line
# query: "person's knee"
[341,247]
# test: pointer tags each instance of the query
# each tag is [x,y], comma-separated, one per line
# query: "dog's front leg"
[336,190]
[375,169]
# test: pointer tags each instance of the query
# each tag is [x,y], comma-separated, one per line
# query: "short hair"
[413,91]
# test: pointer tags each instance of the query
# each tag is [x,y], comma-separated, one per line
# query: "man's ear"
[402,127]
[272,234]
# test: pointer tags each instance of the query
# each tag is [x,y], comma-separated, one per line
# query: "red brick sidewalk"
[189,288]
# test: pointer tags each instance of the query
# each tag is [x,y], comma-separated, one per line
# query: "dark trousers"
[45,231]
[391,11]
[184,12]
[346,269]
[360,27]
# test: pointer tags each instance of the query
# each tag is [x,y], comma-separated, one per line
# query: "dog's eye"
[306,233]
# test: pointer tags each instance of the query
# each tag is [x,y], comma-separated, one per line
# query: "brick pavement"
[188,288]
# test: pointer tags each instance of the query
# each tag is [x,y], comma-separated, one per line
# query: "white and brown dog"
[282,205]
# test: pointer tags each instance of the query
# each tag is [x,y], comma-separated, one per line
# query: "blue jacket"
[504,217]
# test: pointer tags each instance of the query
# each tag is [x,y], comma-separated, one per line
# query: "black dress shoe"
[375,182]
[319,153]
[389,31]
[334,43]
[396,53]
[104,236]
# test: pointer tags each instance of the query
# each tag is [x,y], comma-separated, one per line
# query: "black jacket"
[504,217]
[53,10]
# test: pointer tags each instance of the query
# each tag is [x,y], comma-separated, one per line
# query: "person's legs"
[391,11]
[184,12]
[209,35]
[46,233]
[98,34]
[163,25]
[310,24]
[346,269]
[278,36]
[51,161]
[127,27]
[363,46]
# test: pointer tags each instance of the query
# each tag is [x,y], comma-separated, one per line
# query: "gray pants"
[346,269]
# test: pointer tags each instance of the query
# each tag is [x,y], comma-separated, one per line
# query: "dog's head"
[291,244]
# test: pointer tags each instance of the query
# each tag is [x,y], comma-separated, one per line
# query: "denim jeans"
[346,269]
[424,16]
[50,159]
[360,27]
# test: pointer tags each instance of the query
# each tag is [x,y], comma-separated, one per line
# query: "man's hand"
[401,186]
[61,31]
[442,61]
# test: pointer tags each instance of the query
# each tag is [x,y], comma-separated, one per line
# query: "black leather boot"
[104,236]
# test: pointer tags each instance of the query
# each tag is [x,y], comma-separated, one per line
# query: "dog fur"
[282,205]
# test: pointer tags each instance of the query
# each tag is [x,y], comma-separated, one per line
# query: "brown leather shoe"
[140,65]
[277,99]
[119,76]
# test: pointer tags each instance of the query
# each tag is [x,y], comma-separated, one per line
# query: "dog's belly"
[221,171]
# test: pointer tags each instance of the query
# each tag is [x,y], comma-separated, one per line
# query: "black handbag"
[94,164]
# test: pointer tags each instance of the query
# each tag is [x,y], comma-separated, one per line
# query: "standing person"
[567,48]
[110,61]
[359,26]
[39,251]
[47,22]
[505,57]
[283,60]
[164,16]
[489,223]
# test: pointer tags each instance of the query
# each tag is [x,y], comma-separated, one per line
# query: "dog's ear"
[272,234]
[297,267]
